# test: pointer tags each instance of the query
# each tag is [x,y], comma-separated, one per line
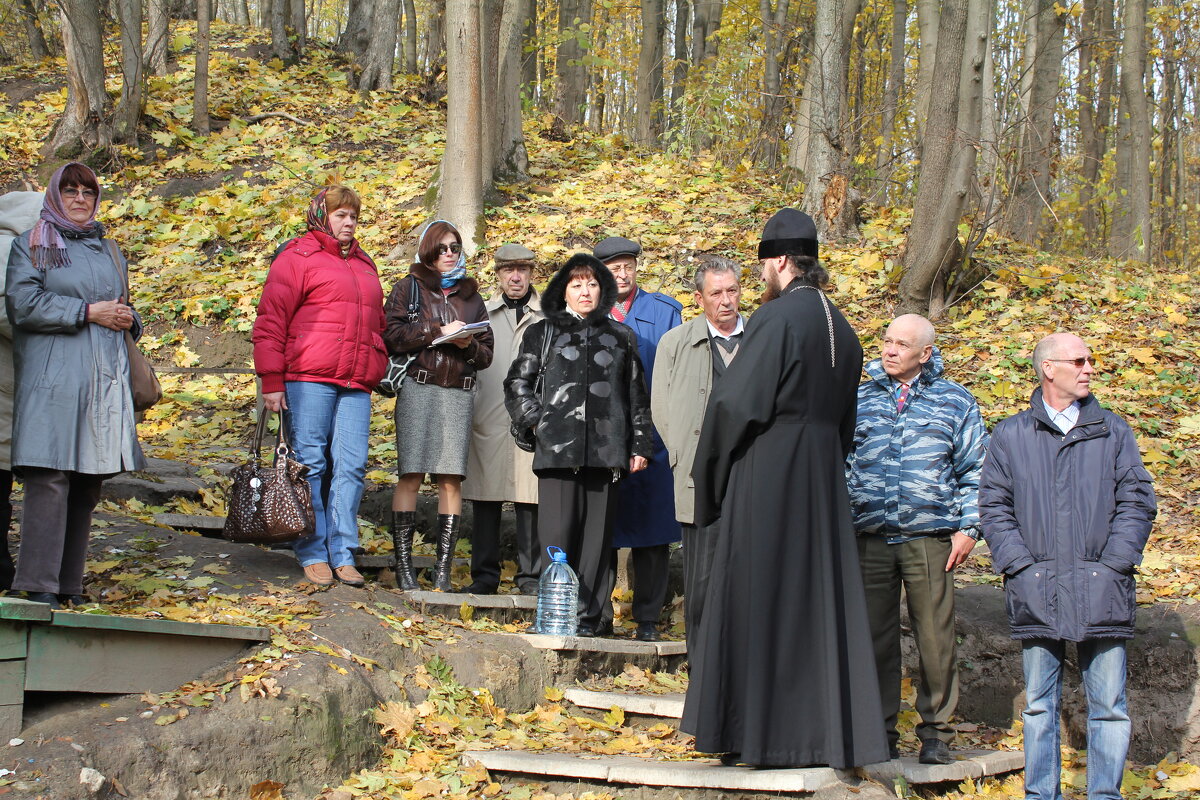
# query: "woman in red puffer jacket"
[318,349]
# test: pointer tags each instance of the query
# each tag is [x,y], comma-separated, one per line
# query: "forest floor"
[199,218]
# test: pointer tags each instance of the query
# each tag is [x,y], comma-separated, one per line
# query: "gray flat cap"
[613,246]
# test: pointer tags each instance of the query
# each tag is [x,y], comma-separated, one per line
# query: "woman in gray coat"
[73,420]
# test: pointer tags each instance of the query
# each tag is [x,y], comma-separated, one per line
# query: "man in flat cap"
[646,503]
[782,669]
[497,470]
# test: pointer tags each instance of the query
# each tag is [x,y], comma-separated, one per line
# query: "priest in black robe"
[782,669]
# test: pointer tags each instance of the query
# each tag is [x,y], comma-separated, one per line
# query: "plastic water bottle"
[558,596]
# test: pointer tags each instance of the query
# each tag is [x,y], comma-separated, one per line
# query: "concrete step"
[711,774]
[665,706]
[500,607]
[699,774]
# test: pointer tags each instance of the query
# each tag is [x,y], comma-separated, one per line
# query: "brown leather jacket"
[447,364]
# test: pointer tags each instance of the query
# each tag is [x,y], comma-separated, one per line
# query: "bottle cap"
[557,554]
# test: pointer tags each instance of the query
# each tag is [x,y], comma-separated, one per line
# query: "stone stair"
[645,709]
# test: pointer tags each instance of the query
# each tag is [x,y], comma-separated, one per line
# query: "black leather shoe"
[731,759]
[604,629]
[480,588]
[529,589]
[585,630]
[401,529]
[447,535]
[647,632]
[893,751]
[935,751]
[43,597]
[74,599]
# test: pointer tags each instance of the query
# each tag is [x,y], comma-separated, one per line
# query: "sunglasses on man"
[1078,362]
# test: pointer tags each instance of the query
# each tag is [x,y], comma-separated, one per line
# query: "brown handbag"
[269,505]
[142,380]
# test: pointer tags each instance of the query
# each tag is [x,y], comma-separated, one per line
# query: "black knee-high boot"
[403,524]
[447,535]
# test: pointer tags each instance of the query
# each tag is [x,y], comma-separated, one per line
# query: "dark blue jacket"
[1066,518]
[646,505]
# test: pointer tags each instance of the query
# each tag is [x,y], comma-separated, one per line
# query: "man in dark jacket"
[914,490]
[1066,507]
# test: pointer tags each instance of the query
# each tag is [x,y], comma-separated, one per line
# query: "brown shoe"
[349,575]
[319,573]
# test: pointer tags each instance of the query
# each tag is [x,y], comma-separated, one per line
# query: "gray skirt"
[433,429]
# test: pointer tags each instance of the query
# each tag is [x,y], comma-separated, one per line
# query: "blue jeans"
[1102,662]
[328,428]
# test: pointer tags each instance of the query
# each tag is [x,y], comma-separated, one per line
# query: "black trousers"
[6,513]
[575,512]
[485,543]
[56,523]
[699,543]
[650,568]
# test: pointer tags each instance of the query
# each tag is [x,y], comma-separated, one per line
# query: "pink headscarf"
[47,247]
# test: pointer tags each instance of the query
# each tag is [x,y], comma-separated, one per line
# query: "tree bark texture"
[489,12]
[157,33]
[409,42]
[200,98]
[381,49]
[927,27]
[356,36]
[1095,107]
[512,159]
[1031,193]
[85,129]
[281,48]
[570,71]
[1131,230]
[774,22]
[297,27]
[129,108]
[435,39]
[650,75]
[828,197]
[706,21]
[462,162]
[680,73]
[932,245]
[38,49]
[891,99]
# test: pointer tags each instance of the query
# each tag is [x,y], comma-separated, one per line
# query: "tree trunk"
[680,73]
[435,50]
[828,197]
[33,31]
[1131,233]
[927,27]
[512,159]
[381,50]
[157,33]
[932,245]
[488,78]
[574,19]
[129,109]
[1032,185]
[281,48]
[298,28]
[650,75]
[200,104]
[409,45]
[84,132]
[774,21]
[705,22]
[891,99]
[462,162]
[1095,107]
[531,57]
[356,36]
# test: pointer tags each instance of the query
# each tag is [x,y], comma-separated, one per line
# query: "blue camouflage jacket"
[915,472]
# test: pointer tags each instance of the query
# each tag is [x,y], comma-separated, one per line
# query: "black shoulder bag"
[526,440]
[398,366]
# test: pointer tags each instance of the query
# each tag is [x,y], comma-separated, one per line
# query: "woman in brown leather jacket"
[435,406]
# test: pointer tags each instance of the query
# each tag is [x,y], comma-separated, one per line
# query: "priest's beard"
[773,289]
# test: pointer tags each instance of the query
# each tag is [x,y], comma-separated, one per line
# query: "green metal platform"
[42,650]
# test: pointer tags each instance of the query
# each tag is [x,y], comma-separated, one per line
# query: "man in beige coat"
[689,361]
[498,471]
[18,212]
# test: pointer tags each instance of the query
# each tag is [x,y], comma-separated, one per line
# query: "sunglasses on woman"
[453,247]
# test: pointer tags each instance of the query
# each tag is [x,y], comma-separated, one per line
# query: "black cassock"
[782,669]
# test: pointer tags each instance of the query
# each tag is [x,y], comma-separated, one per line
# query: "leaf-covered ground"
[201,217]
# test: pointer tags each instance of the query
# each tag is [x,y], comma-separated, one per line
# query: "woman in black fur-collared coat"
[591,421]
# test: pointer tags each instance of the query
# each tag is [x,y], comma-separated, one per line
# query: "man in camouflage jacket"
[913,477]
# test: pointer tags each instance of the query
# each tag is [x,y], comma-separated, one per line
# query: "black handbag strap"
[540,381]
[414,300]
[281,443]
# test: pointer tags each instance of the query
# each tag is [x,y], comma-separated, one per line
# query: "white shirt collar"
[1064,420]
[716,334]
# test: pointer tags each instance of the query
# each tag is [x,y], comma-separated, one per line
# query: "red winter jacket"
[320,317]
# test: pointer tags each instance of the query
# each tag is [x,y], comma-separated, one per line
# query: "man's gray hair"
[714,264]
[1046,348]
